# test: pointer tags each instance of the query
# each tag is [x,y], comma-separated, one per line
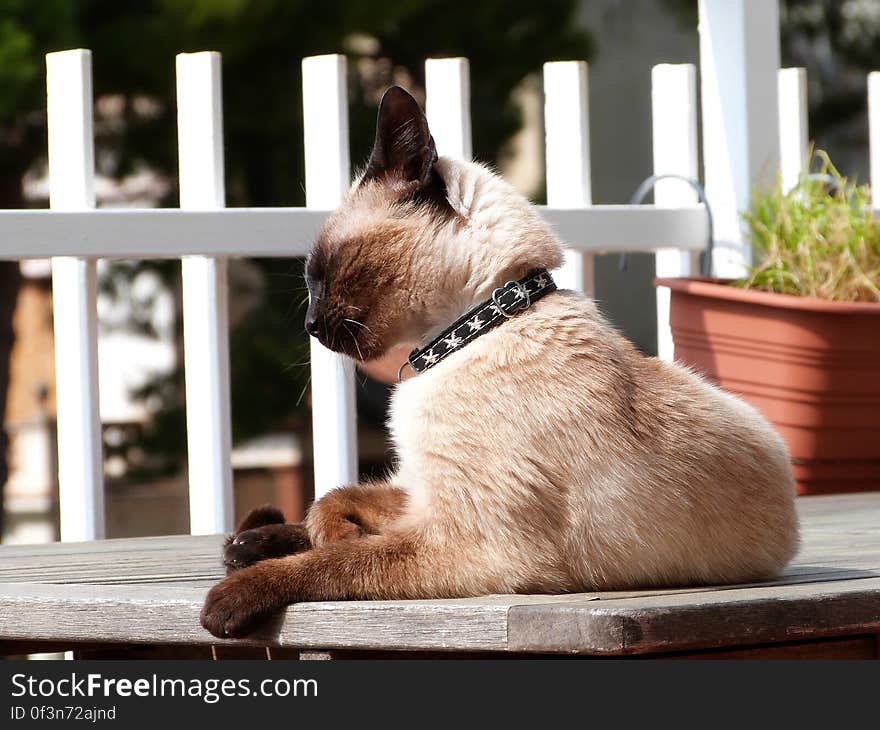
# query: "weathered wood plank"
[829,552]
[150,590]
[700,620]
[115,546]
[863,507]
[165,615]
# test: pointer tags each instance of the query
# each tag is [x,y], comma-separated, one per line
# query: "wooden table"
[141,597]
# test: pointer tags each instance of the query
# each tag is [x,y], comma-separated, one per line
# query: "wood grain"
[148,591]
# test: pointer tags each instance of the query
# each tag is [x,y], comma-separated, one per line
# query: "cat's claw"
[261,543]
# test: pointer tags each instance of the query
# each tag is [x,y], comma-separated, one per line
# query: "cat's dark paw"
[238,603]
[247,552]
[265,515]
[260,543]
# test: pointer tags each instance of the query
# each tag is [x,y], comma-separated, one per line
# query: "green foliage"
[269,354]
[837,41]
[820,239]
[134,44]
[27,30]
[262,41]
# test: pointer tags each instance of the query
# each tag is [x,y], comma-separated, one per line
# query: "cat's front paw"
[260,516]
[260,543]
[239,602]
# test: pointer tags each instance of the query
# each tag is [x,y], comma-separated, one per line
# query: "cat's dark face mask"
[361,289]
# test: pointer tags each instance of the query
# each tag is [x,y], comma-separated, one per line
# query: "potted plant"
[799,337]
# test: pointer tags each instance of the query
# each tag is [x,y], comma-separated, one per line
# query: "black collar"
[506,302]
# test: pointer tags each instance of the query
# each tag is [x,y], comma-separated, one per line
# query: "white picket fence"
[740,142]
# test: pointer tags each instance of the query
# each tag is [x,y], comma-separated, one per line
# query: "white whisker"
[354,339]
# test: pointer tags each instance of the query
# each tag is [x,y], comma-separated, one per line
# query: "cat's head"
[417,241]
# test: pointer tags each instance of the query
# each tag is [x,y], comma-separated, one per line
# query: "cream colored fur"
[546,456]
[549,455]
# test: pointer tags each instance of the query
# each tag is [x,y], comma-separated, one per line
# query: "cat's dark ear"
[404,151]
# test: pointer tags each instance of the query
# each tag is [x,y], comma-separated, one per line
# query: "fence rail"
[204,234]
[168,233]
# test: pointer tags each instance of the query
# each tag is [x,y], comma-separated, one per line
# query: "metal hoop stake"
[648,184]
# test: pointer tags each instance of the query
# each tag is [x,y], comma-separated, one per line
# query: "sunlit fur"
[546,456]
[406,270]
[563,456]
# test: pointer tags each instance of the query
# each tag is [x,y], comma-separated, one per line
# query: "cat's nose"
[314,313]
[312,326]
[314,317]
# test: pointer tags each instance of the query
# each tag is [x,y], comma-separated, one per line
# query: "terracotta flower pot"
[811,366]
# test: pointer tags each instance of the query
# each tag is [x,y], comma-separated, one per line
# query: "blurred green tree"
[25,29]
[837,41]
[262,42]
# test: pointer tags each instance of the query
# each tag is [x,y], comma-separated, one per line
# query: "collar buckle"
[505,303]
[522,299]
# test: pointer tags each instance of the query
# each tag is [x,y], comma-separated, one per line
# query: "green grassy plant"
[819,239]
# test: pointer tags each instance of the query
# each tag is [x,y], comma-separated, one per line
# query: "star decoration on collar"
[429,357]
[452,341]
[504,303]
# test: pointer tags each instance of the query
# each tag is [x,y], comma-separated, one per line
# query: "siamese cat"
[546,455]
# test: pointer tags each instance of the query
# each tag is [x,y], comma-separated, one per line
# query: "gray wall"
[631,36]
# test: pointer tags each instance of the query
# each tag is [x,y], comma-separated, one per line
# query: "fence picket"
[794,139]
[739,61]
[203,233]
[448,105]
[674,121]
[567,141]
[205,298]
[328,175]
[874,135]
[74,280]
